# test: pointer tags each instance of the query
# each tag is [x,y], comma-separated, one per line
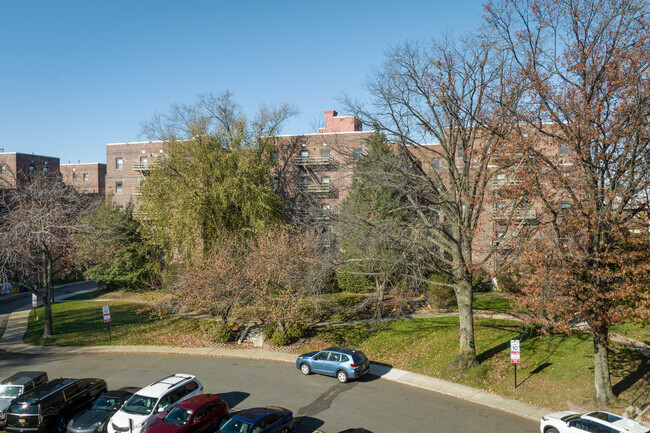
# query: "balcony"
[317,188]
[322,162]
[316,214]
[516,215]
[501,183]
[144,167]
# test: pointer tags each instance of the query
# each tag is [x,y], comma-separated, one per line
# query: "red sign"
[34,301]
[107,314]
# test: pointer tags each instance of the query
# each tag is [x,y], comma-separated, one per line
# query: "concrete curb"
[17,325]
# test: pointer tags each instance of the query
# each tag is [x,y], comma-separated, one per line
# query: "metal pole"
[515,375]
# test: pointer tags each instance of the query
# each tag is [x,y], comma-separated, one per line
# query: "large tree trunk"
[467,355]
[48,330]
[604,392]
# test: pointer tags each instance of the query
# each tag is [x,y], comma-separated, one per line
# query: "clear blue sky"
[75,75]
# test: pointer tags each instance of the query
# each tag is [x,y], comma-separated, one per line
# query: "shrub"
[354,283]
[282,338]
[217,332]
[440,296]
[507,282]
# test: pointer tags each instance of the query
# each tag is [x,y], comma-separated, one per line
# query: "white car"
[159,396]
[592,422]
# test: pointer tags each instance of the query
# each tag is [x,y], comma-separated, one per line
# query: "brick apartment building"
[16,168]
[88,178]
[126,166]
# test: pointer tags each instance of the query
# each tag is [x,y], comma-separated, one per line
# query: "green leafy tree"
[214,179]
[372,221]
[115,254]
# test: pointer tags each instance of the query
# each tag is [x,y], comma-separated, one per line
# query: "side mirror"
[160,409]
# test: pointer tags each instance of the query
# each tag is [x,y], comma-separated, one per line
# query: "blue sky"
[75,75]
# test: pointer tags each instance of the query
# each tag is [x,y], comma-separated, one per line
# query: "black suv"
[48,407]
[16,384]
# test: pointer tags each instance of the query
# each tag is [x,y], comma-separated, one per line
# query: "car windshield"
[139,405]
[107,403]
[12,391]
[178,416]
[236,426]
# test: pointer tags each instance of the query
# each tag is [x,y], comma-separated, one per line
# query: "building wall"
[123,180]
[88,178]
[16,167]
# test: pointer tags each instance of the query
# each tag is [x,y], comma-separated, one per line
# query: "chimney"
[333,123]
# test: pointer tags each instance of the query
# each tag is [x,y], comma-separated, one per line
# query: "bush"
[282,338]
[507,282]
[440,296]
[354,283]
[481,281]
[217,332]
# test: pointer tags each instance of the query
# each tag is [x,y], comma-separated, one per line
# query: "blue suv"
[342,362]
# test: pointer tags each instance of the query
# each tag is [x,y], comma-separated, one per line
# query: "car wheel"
[305,368]
[60,425]
[285,430]
[342,376]
[551,430]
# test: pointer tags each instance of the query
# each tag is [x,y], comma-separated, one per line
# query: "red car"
[199,414]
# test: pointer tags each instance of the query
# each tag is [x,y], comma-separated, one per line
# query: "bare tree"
[437,105]
[39,232]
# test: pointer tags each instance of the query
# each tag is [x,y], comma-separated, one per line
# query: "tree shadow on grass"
[539,369]
[632,367]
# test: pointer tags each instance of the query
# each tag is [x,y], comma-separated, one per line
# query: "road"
[321,402]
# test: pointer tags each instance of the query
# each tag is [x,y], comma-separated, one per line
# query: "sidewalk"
[17,325]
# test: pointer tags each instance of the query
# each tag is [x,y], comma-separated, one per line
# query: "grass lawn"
[82,324]
[492,302]
[632,330]
[554,369]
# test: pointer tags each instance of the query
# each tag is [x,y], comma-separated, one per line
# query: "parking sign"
[107,314]
[514,352]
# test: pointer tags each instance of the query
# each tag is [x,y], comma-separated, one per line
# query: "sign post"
[514,356]
[107,319]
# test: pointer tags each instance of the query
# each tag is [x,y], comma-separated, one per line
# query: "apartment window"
[119,163]
[74,175]
[356,154]
[304,180]
[325,180]
[274,183]
[304,154]
[325,154]
[501,177]
[143,160]
[3,169]
[118,187]
[563,149]
[500,205]
[435,163]
[84,177]
[325,207]
[461,152]
[565,205]
[44,169]
[274,157]
[32,167]
[500,234]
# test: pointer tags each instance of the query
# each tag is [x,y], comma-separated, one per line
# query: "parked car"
[154,398]
[597,422]
[342,362]
[199,414]
[15,385]
[49,406]
[260,420]
[6,289]
[95,419]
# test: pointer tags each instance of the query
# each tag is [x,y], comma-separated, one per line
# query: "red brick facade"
[87,178]
[17,167]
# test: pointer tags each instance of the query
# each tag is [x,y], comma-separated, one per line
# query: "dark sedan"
[199,414]
[260,420]
[94,419]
